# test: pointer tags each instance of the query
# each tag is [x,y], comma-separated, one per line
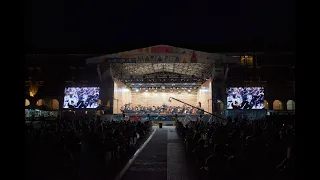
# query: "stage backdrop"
[204,96]
[122,96]
[159,98]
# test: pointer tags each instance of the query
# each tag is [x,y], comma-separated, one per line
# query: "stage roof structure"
[163,59]
[162,54]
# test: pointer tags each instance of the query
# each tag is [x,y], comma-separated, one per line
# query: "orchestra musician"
[72,100]
[153,108]
[82,99]
[248,103]
[194,111]
[236,100]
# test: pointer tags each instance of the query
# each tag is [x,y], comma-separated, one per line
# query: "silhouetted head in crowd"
[218,149]
[232,162]
[249,140]
[229,119]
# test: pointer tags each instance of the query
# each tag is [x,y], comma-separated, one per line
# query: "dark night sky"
[103,27]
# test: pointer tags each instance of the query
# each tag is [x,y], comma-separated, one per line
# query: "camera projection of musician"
[81,97]
[245,98]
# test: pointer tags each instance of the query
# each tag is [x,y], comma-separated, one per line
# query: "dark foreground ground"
[163,158]
[87,166]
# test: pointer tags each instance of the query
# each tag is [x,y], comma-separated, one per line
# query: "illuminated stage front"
[156,101]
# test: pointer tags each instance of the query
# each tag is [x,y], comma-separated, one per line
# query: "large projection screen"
[81,97]
[245,98]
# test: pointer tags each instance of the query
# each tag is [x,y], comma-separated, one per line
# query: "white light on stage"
[137,90]
[155,90]
[146,90]
[189,90]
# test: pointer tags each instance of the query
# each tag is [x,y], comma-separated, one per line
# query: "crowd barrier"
[249,114]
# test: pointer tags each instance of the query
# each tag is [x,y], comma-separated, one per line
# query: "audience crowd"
[87,149]
[80,149]
[240,149]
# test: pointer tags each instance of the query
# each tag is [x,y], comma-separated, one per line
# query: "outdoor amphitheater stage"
[142,81]
[161,157]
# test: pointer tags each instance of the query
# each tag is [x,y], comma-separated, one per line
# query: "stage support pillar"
[107,90]
[218,97]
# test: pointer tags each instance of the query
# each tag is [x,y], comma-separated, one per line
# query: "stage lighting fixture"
[189,90]
[137,90]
